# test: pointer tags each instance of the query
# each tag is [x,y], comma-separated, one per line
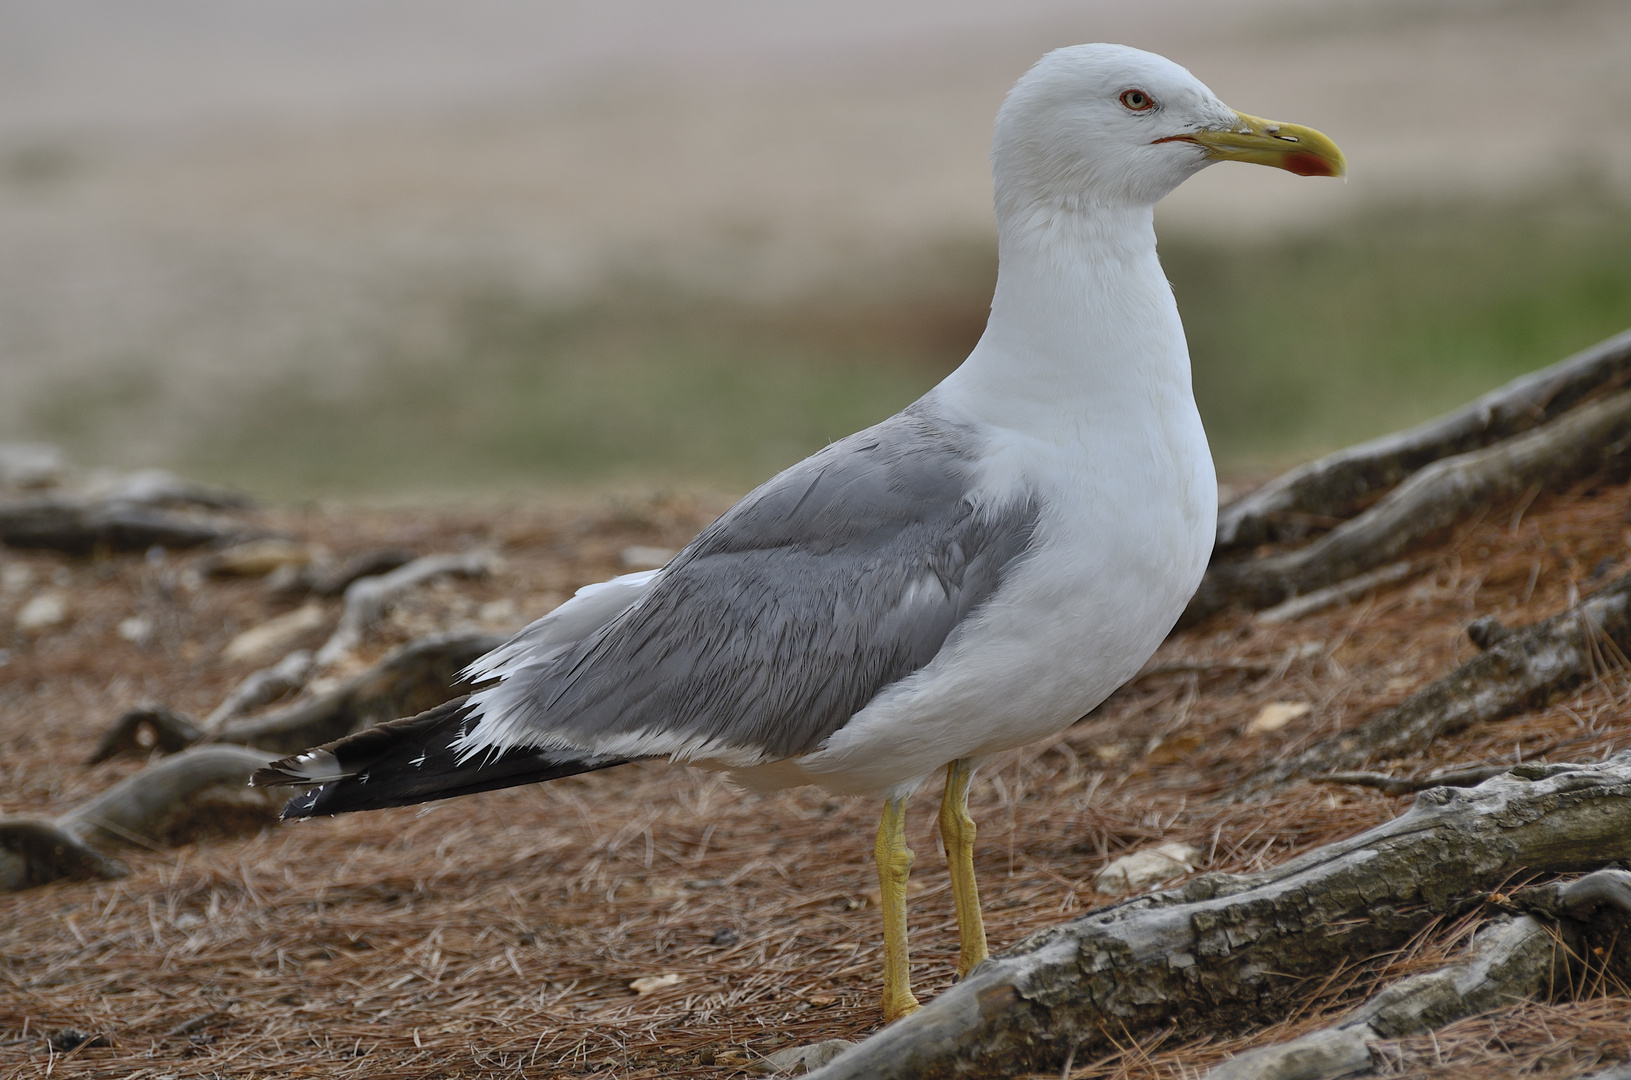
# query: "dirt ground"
[499,934]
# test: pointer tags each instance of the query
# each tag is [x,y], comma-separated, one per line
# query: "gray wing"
[781,620]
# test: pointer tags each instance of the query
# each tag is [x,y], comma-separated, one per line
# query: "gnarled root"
[198,791]
[418,676]
[1335,485]
[143,730]
[1207,955]
[1510,960]
[1520,667]
[1575,445]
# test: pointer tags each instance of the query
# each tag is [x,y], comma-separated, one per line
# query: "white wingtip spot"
[314,766]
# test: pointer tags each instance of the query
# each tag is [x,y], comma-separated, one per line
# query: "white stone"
[44,611]
[1141,869]
[1276,715]
[647,984]
[274,638]
[15,577]
[138,629]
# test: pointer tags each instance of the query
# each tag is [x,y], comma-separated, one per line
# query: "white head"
[1108,125]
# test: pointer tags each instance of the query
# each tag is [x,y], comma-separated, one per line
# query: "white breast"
[1081,391]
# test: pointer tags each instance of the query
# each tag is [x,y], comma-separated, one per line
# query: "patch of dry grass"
[497,935]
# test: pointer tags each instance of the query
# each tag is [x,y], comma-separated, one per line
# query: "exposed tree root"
[34,851]
[1519,668]
[79,527]
[144,729]
[199,791]
[164,801]
[264,687]
[366,599]
[1340,593]
[335,580]
[1510,960]
[1210,955]
[1335,485]
[328,579]
[420,675]
[202,788]
[1406,785]
[1575,445]
[132,513]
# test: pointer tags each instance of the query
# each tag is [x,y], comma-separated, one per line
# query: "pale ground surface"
[200,198]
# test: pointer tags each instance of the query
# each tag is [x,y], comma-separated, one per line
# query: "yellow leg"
[894,866]
[957,830]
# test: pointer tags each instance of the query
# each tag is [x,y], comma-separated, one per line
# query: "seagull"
[972,574]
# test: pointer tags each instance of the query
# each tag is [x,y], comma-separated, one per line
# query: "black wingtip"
[272,776]
[303,805]
[412,760]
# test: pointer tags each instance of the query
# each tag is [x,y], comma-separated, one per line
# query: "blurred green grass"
[1323,339]
[1301,343]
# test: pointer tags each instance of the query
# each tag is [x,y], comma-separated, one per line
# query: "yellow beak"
[1292,147]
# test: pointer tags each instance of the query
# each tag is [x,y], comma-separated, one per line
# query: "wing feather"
[837,578]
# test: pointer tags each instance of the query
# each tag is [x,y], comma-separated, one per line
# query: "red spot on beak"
[1308,165]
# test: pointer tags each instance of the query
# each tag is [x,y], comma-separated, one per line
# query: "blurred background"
[396,247]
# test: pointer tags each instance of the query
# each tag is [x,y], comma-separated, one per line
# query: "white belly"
[1120,547]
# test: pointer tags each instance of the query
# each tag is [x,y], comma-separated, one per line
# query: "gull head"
[1107,125]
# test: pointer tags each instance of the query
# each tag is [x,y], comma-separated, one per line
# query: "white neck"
[1084,334]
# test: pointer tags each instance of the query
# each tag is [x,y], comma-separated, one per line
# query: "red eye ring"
[1137,100]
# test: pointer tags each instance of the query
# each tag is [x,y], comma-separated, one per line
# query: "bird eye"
[1137,100]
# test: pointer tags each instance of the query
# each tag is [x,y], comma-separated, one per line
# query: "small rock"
[15,577]
[275,637]
[801,1059]
[257,558]
[1141,869]
[1276,715]
[641,557]
[44,611]
[138,629]
[648,983]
